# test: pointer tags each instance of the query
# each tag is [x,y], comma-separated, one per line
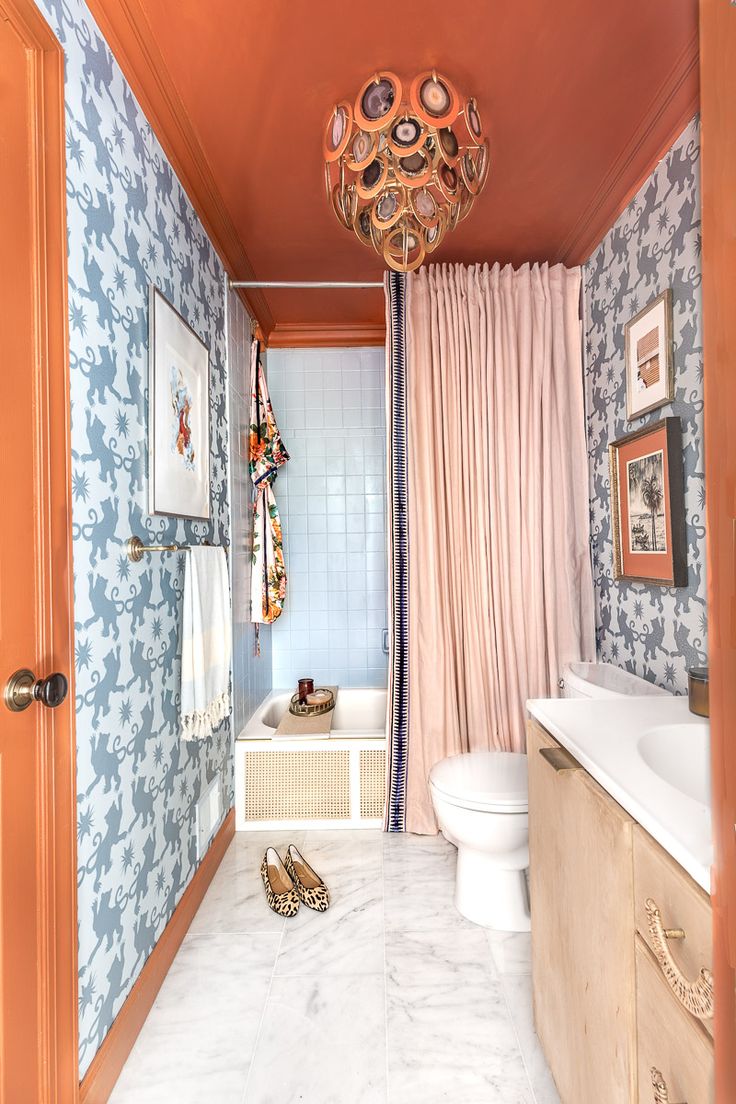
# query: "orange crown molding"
[126,29]
[671,110]
[109,1060]
[315,335]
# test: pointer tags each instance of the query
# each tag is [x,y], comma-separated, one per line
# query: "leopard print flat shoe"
[309,886]
[281,892]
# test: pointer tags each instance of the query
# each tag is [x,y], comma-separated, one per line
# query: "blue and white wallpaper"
[654,632]
[130,224]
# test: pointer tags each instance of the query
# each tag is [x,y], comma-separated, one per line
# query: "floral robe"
[267,454]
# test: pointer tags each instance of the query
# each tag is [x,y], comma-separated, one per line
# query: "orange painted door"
[718,131]
[37,904]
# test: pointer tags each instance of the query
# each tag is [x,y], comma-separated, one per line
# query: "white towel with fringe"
[206,643]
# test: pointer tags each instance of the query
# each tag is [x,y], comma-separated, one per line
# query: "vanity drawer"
[670,1041]
[682,905]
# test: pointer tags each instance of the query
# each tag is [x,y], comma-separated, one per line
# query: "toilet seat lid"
[484,779]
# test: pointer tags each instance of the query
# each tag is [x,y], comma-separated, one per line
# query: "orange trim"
[52,1074]
[318,335]
[671,110]
[107,1064]
[718,79]
[126,29]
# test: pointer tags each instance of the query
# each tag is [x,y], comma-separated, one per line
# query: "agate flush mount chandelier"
[403,168]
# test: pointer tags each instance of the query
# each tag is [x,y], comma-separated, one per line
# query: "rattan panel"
[372,783]
[297,785]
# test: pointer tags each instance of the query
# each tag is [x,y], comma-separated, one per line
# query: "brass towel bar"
[136,549]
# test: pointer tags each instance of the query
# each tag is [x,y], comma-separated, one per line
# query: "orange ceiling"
[579,98]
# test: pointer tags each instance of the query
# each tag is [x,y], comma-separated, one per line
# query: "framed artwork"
[178,415]
[650,379]
[648,505]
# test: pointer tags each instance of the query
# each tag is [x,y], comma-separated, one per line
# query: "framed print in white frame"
[178,415]
[650,379]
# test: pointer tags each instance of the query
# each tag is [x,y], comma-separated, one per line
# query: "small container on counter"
[697,689]
[306,687]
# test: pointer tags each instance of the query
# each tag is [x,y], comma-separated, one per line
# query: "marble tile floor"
[390,996]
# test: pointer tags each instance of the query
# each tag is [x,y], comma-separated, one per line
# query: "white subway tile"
[331,405]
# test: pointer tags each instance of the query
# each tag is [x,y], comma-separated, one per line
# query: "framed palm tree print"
[648,505]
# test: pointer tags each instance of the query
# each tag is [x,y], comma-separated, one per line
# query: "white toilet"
[481,802]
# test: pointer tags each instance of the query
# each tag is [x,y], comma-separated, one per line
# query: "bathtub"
[360,712]
[302,782]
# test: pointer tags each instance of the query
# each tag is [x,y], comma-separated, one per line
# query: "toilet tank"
[604,680]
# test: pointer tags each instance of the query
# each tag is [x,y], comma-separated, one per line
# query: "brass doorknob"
[23,687]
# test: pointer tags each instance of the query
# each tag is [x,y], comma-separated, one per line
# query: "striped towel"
[206,643]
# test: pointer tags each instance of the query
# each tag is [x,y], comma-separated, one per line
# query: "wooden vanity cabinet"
[582,900]
[670,1041]
[674,962]
[683,907]
[621,946]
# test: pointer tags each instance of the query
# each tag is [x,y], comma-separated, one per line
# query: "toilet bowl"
[481,802]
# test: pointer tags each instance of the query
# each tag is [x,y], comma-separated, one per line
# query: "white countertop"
[603,736]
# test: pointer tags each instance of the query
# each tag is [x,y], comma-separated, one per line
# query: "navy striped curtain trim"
[399,575]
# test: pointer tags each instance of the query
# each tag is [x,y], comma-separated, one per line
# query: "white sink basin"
[680,755]
[652,756]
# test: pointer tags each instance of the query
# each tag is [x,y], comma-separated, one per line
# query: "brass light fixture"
[401,171]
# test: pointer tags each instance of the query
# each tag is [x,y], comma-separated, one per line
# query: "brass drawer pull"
[696,996]
[661,1095]
[559,759]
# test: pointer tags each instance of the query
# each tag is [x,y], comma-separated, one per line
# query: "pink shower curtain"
[500,592]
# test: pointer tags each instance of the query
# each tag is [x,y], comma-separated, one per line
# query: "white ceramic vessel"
[652,755]
[605,680]
[481,802]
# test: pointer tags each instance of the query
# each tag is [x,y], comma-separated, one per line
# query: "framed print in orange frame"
[648,505]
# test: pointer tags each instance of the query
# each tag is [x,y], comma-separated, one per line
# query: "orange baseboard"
[101,1076]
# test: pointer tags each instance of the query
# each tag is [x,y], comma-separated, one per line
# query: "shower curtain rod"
[306,283]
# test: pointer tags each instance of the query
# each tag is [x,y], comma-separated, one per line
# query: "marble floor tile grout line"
[261,1010]
[385,965]
[515,1029]
[263,1014]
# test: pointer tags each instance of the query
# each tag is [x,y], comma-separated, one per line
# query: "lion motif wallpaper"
[655,632]
[129,224]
